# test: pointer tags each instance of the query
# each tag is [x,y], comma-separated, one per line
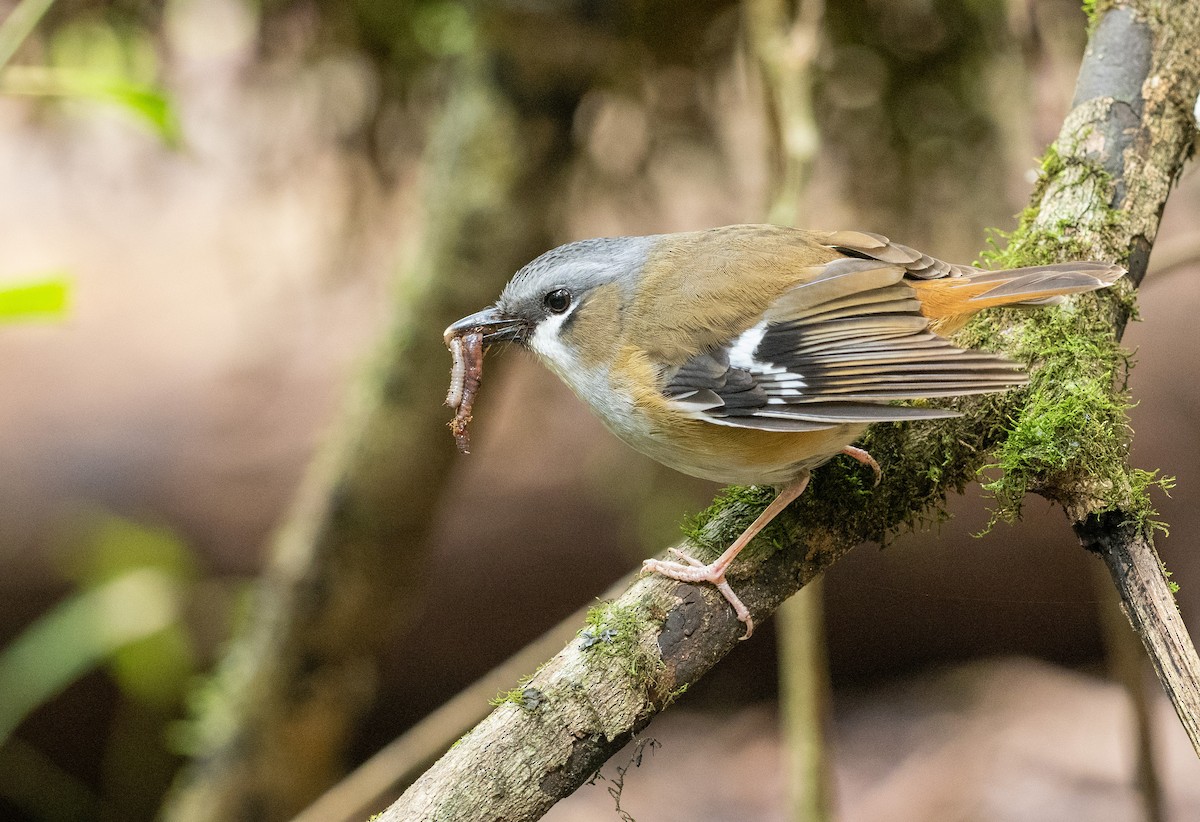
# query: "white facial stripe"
[613,407]
[546,341]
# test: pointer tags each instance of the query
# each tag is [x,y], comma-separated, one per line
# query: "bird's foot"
[693,570]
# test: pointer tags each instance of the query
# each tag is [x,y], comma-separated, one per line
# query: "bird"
[753,354]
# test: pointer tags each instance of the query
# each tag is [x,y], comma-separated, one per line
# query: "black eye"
[558,300]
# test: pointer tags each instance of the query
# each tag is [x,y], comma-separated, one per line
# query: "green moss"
[1033,242]
[512,695]
[523,696]
[1069,435]
[614,632]
[678,692]
[1069,438]
[736,507]
[1094,10]
[612,637]
[731,513]
[1173,586]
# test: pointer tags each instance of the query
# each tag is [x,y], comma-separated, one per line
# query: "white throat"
[590,384]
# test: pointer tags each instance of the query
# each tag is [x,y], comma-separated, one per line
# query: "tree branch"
[1105,183]
[1131,128]
[1147,601]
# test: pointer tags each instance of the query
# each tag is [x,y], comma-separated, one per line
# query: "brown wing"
[950,294]
[689,276]
[835,348]
[827,327]
[870,246]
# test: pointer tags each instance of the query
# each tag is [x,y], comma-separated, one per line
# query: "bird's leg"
[714,572]
[866,459]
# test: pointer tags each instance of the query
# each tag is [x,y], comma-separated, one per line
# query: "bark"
[1127,665]
[658,637]
[1135,123]
[1149,605]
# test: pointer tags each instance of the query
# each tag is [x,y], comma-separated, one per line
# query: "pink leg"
[714,572]
[866,459]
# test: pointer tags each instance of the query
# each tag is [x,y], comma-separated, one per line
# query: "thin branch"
[784,40]
[1127,665]
[19,24]
[1149,604]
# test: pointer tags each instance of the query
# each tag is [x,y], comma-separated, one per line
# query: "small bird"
[752,354]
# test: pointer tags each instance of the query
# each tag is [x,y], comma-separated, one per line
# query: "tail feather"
[1039,282]
[949,302]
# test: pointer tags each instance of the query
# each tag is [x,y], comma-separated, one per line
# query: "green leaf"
[45,297]
[154,669]
[80,633]
[106,546]
[150,105]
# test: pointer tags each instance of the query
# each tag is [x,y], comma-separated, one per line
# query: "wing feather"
[837,349]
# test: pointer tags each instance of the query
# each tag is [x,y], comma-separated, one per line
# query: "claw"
[693,570]
[696,571]
[866,459]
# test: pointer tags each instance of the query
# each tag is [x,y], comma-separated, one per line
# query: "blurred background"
[238,554]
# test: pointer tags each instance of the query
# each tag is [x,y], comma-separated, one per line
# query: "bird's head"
[566,305]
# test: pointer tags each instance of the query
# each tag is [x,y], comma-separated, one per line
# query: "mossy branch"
[1065,436]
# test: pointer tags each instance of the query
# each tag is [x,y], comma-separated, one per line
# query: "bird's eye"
[558,300]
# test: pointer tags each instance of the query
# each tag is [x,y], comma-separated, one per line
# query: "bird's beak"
[494,324]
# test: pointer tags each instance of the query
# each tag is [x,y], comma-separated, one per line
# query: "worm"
[457,372]
[466,374]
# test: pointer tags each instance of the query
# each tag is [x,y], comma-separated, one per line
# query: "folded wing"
[834,350]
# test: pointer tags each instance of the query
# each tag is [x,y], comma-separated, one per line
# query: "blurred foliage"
[208,716]
[46,296]
[154,667]
[443,29]
[127,616]
[94,57]
[90,60]
[35,785]
[149,105]
[914,97]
